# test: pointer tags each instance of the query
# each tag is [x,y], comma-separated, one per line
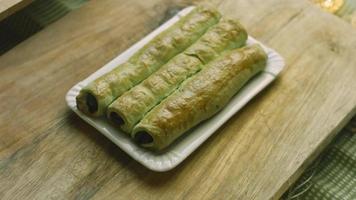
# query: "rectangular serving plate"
[185,145]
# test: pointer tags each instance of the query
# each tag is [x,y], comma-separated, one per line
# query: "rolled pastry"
[94,99]
[127,110]
[199,97]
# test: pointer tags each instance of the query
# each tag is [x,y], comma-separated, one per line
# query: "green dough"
[94,99]
[199,97]
[131,107]
[226,35]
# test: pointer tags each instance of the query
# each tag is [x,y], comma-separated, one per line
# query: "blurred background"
[27,17]
[30,16]
[331,176]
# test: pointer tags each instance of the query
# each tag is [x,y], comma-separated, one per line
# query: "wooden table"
[7,7]
[47,152]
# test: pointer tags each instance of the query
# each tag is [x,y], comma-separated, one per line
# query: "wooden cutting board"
[47,152]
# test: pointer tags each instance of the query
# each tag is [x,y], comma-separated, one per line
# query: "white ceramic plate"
[185,145]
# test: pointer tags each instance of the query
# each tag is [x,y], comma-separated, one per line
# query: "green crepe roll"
[94,99]
[199,97]
[127,110]
[227,34]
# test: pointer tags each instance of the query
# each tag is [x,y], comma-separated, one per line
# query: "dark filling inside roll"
[143,137]
[116,118]
[91,103]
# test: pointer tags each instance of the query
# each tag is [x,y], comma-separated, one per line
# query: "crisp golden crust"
[148,59]
[227,34]
[135,103]
[165,47]
[201,96]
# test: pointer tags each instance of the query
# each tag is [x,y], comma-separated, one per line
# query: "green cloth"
[333,175]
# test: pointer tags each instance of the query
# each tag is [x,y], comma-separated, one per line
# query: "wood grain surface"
[47,152]
[7,7]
